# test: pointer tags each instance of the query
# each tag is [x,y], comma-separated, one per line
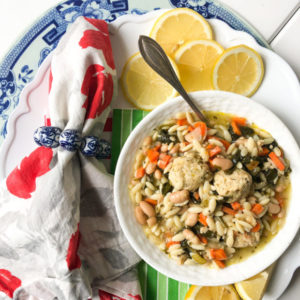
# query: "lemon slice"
[254,287]
[142,86]
[225,292]
[195,61]
[178,26]
[239,69]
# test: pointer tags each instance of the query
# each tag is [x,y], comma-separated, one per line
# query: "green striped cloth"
[155,286]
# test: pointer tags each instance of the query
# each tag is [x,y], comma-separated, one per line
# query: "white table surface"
[277,20]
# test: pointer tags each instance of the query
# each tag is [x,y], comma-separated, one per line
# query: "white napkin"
[59,233]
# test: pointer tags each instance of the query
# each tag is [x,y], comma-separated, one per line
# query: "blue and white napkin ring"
[105,150]
[47,136]
[71,140]
[90,146]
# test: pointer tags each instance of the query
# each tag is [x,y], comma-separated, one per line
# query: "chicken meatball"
[188,173]
[235,185]
[243,240]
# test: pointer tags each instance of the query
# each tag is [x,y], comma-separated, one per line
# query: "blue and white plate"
[23,60]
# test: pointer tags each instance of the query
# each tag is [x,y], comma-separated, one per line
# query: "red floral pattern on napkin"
[40,238]
[21,182]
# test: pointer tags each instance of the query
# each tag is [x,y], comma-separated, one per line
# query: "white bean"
[223,163]
[151,221]
[140,216]
[147,208]
[191,220]
[180,196]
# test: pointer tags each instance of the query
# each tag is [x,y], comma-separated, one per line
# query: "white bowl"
[202,275]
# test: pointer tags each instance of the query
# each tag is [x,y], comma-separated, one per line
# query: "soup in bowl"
[209,204]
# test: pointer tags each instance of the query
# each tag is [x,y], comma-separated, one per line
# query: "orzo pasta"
[203,193]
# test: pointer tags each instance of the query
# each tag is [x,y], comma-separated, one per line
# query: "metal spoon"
[157,59]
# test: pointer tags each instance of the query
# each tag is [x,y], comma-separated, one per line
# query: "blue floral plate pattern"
[18,68]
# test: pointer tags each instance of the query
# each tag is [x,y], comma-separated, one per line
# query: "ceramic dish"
[32,104]
[124,34]
[199,275]
[21,63]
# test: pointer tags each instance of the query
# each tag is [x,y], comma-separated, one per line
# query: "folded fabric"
[59,233]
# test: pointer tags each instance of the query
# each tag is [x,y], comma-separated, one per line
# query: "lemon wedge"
[239,69]
[195,61]
[225,292]
[142,86]
[254,287]
[178,26]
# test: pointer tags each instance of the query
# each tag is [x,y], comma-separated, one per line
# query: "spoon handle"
[157,59]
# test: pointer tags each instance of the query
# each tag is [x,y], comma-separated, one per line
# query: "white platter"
[280,92]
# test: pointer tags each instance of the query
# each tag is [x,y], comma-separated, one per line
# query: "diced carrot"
[202,219]
[264,151]
[239,121]
[196,195]
[203,239]
[228,210]
[153,155]
[235,128]
[256,227]
[140,172]
[202,127]
[164,160]
[213,152]
[151,201]
[220,263]
[225,143]
[277,161]
[170,243]
[218,254]
[210,146]
[182,122]
[280,199]
[257,208]
[162,164]
[165,157]
[236,206]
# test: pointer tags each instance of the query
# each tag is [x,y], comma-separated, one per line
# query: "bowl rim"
[268,259]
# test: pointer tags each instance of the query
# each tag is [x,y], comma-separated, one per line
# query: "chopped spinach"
[210,234]
[236,157]
[261,160]
[166,188]
[246,159]
[196,228]
[271,174]
[246,131]
[185,247]
[165,137]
